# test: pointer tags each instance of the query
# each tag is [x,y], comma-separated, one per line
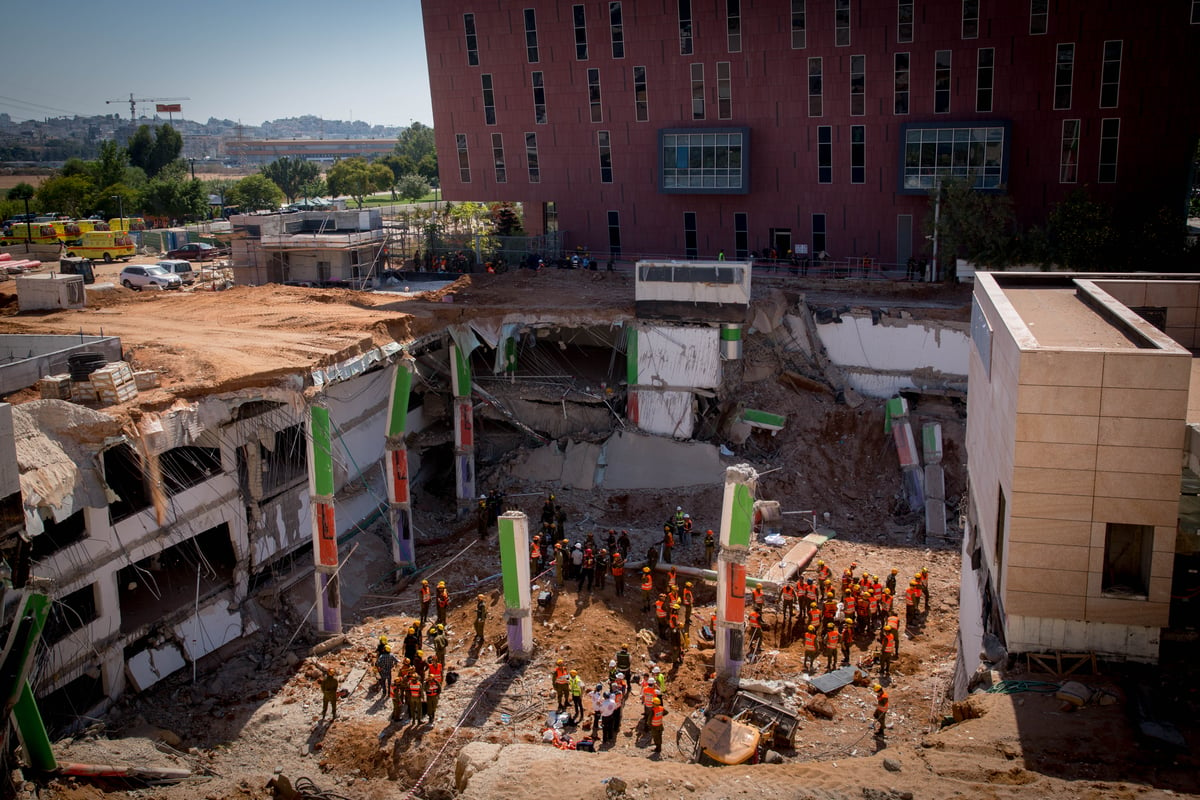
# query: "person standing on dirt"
[618,573]
[831,646]
[535,558]
[687,601]
[649,695]
[912,597]
[888,652]
[480,616]
[882,701]
[426,599]
[754,640]
[623,544]
[482,515]
[433,690]
[414,698]
[656,723]
[587,569]
[891,580]
[668,542]
[686,532]
[412,643]
[810,647]
[385,662]
[329,691]
[647,589]
[603,562]
[548,510]
[787,596]
[575,687]
[443,602]
[923,582]
[439,643]
[561,680]
[710,546]
[576,561]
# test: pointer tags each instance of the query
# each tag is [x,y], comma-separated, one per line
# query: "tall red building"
[686,127]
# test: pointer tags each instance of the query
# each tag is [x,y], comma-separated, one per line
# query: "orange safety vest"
[881,703]
[647,582]
[911,594]
[755,621]
[561,675]
[823,572]
[864,606]
[894,621]
[656,720]
[535,551]
[432,687]
[618,566]
[687,597]
[426,594]
[814,616]
[810,641]
[659,610]
[435,669]
[443,599]
[886,603]
[649,691]
[830,608]
[414,687]
[831,638]
[788,594]
[758,596]
[889,644]
[674,621]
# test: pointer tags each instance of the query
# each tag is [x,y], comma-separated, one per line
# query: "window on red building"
[489,100]
[799,34]
[581,52]
[464,162]
[841,23]
[685,27]
[824,154]
[1068,161]
[1110,133]
[1110,74]
[594,95]
[472,40]
[941,82]
[690,247]
[733,25]
[815,87]
[724,91]
[858,85]
[970,19]
[616,29]
[904,21]
[498,157]
[604,145]
[819,242]
[1064,74]
[531,43]
[641,99]
[531,158]
[1039,17]
[858,153]
[539,97]
[985,75]
[614,234]
[697,91]
[900,91]
[741,236]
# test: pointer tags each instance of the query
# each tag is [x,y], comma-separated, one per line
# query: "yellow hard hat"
[689,583]
[387,648]
[895,570]
[645,569]
[573,672]
[383,638]
[812,628]
[887,627]
[441,583]
[425,582]
[412,630]
[658,701]
[560,661]
[830,625]
[877,688]
[478,597]
[675,606]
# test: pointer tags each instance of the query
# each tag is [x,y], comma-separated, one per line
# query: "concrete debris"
[891,765]
[630,461]
[474,757]
[330,644]
[762,687]
[820,706]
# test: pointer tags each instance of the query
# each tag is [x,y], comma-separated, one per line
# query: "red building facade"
[682,128]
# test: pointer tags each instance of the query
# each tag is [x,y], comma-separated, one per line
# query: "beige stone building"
[1082,446]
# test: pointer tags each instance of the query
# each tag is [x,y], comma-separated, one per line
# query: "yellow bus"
[36,232]
[106,245]
[126,224]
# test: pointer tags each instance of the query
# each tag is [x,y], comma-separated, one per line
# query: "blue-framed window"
[704,161]
[931,151]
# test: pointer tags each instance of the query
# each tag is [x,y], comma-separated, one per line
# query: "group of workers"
[608,701]
[419,678]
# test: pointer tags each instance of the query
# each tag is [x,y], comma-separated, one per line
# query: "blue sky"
[252,60]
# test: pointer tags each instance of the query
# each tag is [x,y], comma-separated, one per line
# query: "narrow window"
[641,99]
[741,236]
[904,21]
[818,234]
[1064,72]
[685,27]
[724,91]
[464,163]
[697,91]
[1110,133]
[614,234]
[616,29]
[690,247]
[1110,74]
[941,82]
[858,153]
[858,86]
[539,98]
[1196,12]
[824,154]
[1039,17]
[531,158]
[985,74]
[489,100]
[498,157]
[841,23]
[603,143]
[594,95]
[472,40]
[815,86]
[799,39]
[531,45]
[970,19]
[581,53]
[733,25]
[900,105]
[1127,554]
[1068,161]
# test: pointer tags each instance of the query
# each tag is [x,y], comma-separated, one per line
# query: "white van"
[181,268]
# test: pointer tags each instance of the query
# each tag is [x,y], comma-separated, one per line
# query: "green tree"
[290,174]
[506,220]
[977,226]
[357,178]
[256,192]
[152,151]
[70,195]
[400,166]
[416,141]
[140,146]
[314,188]
[109,169]
[1082,235]
[221,187]
[411,187]
[175,199]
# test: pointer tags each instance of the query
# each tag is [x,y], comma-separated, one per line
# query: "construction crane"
[133,101]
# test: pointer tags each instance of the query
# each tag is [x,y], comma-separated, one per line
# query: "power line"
[15,102]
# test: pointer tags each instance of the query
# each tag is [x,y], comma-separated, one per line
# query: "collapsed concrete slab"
[628,461]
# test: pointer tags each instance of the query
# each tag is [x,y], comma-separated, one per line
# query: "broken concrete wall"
[679,356]
[626,460]
[666,413]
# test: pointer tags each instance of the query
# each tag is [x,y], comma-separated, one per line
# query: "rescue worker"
[787,596]
[912,596]
[383,641]
[686,536]
[660,614]
[810,647]
[668,543]
[399,692]
[443,602]
[647,589]
[888,651]
[412,643]
[385,662]
[891,580]
[881,709]
[433,690]
[823,571]
[649,695]
[847,639]
[660,679]
[814,613]
[535,558]
[548,510]
[414,698]
[923,581]
[687,601]
[439,643]
[561,678]
[893,622]
[587,571]
[575,687]
[675,631]
[601,569]
[710,547]
[831,646]
[754,623]
[623,544]
[576,567]
[624,659]
[480,616]
[618,573]
[419,664]
[329,691]
[560,563]
[759,599]
[482,517]
[426,599]
[657,713]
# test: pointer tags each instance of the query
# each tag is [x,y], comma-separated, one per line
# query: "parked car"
[181,268]
[138,277]
[198,251]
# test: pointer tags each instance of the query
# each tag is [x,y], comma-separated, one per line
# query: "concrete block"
[1147,368]
[1058,428]
[579,465]
[935,482]
[1171,293]
[638,461]
[1054,481]
[148,667]
[1073,533]
[1051,368]
[906,446]
[1069,400]
[214,626]
[931,442]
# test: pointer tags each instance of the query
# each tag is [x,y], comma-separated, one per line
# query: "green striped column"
[464,429]
[324,520]
[396,467]
[28,624]
[514,570]
[737,525]
[631,374]
[731,341]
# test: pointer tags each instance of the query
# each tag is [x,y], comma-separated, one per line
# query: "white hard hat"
[612,663]
[687,516]
[620,676]
[679,508]
[655,671]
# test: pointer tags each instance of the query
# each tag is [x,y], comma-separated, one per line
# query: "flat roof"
[1059,317]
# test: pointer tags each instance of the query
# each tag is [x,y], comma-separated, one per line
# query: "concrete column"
[514,566]
[737,522]
[631,374]
[324,521]
[396,464]
[464,429]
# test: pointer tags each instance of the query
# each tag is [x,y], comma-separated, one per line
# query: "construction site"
[229,496]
